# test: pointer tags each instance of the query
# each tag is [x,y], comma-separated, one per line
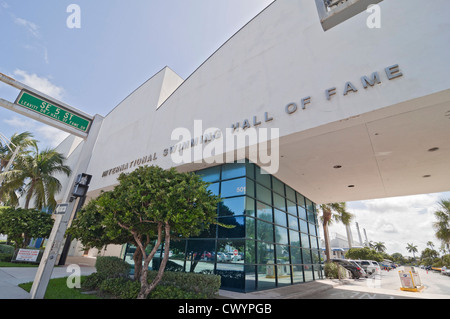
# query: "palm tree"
[333,212]
[442,226]
[379,247]
[34,173]
[23,140]
[411,248]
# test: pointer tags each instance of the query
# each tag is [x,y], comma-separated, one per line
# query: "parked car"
[362,271]
[355,270]
[371,267]
[223,257]
[445,271]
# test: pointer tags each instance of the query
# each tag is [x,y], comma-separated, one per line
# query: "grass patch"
[5,264]
[57,289]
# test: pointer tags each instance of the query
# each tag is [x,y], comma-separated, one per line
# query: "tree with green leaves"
[379,247]
[35,174]
[333,212]
[412,249]
[153,204]
[94,230]
[21,225]
[442,225]
[23,141]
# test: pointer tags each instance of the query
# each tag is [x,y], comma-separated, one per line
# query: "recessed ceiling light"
[434,149]
[337,166]
[426,176]
[351,186]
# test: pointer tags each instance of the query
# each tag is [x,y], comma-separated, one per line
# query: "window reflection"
[264,211]
[234,187]
[272,239]
[232,206]
[264,231]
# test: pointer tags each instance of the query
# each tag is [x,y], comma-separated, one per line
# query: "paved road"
[387,286]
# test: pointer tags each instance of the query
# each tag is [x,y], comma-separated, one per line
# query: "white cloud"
[395,221]
[48,136]
[40,83]
[31,27]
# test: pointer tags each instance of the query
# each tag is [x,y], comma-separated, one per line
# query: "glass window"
[290,193]
[301,212]
[231,251]
[233,170]
[313,241]
[210,174]
[214,188]
[305,240]
[238,231]
[279,202]
[309,205]
[294,238]
[263,194]
[232,206]
[263,179]
[311,216]
[282,254]
[234,187]
[199,251]
[281,235]
[250,252]
[265,253]
[280,217]
[266,277]
[309,273]
[296,255]
[291,208]
[300,200]
[250,224]
[312,229]
[250,190]
[306,253]
[250,168]
[278,186]
[297,275]
[264,231]
[264,211]
[293,222]
[303,226]
[249,206]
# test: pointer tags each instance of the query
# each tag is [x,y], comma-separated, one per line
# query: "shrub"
[170,292]
[92,282]
[334,271]
[6,252]
[112,267]
[202,284]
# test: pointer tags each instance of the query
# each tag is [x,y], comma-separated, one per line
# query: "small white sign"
[61,209]
[29,255]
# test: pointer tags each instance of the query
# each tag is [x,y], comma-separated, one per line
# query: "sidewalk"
[301,291]
[10,278]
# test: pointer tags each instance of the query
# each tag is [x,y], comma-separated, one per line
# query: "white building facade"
[351,113]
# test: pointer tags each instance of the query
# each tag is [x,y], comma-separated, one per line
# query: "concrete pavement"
[321,289]
[10,278]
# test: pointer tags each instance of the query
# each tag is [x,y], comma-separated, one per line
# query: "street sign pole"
[43,108]
[51,252]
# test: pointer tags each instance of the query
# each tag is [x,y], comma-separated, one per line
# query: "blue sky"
[118,47]
[121,45]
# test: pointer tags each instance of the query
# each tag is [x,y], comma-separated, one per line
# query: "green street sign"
[55,112]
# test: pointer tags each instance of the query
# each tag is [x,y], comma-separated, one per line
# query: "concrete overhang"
[400,150]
